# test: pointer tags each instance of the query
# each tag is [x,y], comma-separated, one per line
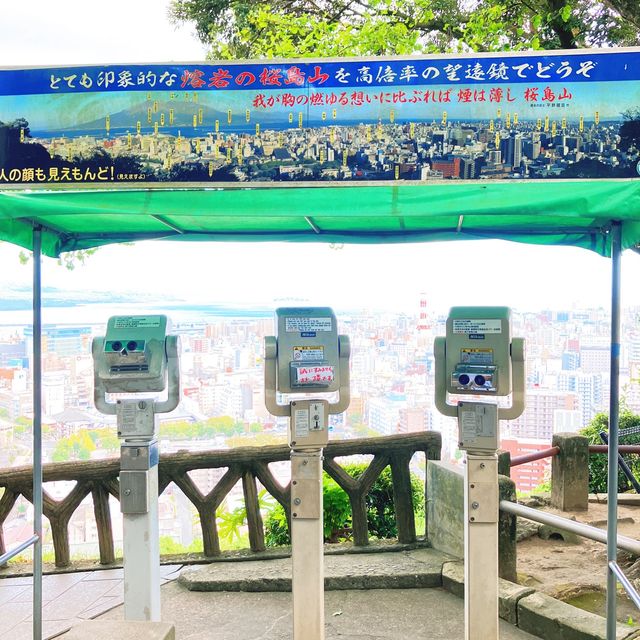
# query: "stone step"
[400,570]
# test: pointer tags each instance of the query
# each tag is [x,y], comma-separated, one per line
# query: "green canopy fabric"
[562,212]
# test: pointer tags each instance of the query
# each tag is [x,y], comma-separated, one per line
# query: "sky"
[41,32]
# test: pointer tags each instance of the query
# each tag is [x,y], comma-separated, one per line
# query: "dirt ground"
[564,569]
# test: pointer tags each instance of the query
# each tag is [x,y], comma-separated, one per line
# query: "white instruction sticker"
[308,354]
[477,325]
[301,420]
[301,324]
[473,426]
[128,416]
[136,322]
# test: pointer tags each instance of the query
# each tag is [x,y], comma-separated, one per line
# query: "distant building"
[53,388]
[384,415]
[589,389]
[13,352]
[62,341]
[414,419]
[537,420]
[281,155]
[449,167]
[16,404]
[595,359]
[570,361]
[532,474]
[511,150]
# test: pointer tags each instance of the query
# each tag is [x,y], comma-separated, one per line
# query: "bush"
[337,509]
[598,461]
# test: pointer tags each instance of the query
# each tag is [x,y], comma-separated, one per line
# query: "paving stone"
[11,592]
[17,580]
[76,599]
[13,613]
[53,586]
[104,574]
[100,606]
[50,629]
[116,590]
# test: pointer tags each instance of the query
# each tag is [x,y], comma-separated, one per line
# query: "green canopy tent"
[602,216]
[562,212]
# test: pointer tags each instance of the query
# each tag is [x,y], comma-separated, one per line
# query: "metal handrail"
[554,451]
[622,448]
[579,528]
[584,530]
[624,467]
[5,557]
[536,455]
[624,581]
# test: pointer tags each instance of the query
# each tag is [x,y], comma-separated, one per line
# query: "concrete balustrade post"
[570,472]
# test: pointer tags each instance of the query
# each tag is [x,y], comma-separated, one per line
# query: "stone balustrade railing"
[247,464]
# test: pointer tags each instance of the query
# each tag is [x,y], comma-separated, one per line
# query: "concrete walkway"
[379,614]
[67,599]
[402,595]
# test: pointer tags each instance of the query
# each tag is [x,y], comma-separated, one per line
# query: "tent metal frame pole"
[614,397]
[37,432]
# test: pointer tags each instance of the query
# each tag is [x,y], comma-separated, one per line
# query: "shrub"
[598,462]
[337,509]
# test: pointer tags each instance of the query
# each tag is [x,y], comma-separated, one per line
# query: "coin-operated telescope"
[137,357]
[479,358]
[306,361]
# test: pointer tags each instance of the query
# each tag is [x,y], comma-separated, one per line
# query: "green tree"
[285,28]
[22,426]
[225,425]
[105,438]
[598,462]
[337,509]
[77,446]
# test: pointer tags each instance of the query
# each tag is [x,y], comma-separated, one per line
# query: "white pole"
[142,558]
[307,545]
[481,547]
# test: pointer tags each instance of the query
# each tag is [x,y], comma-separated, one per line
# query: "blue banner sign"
[478,117]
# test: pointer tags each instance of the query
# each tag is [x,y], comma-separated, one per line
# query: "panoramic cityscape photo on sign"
[479,117]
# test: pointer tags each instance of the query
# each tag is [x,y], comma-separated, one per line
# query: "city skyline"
[392,365]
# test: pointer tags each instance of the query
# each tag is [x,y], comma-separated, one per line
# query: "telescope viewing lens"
[117,345]
[463,379]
